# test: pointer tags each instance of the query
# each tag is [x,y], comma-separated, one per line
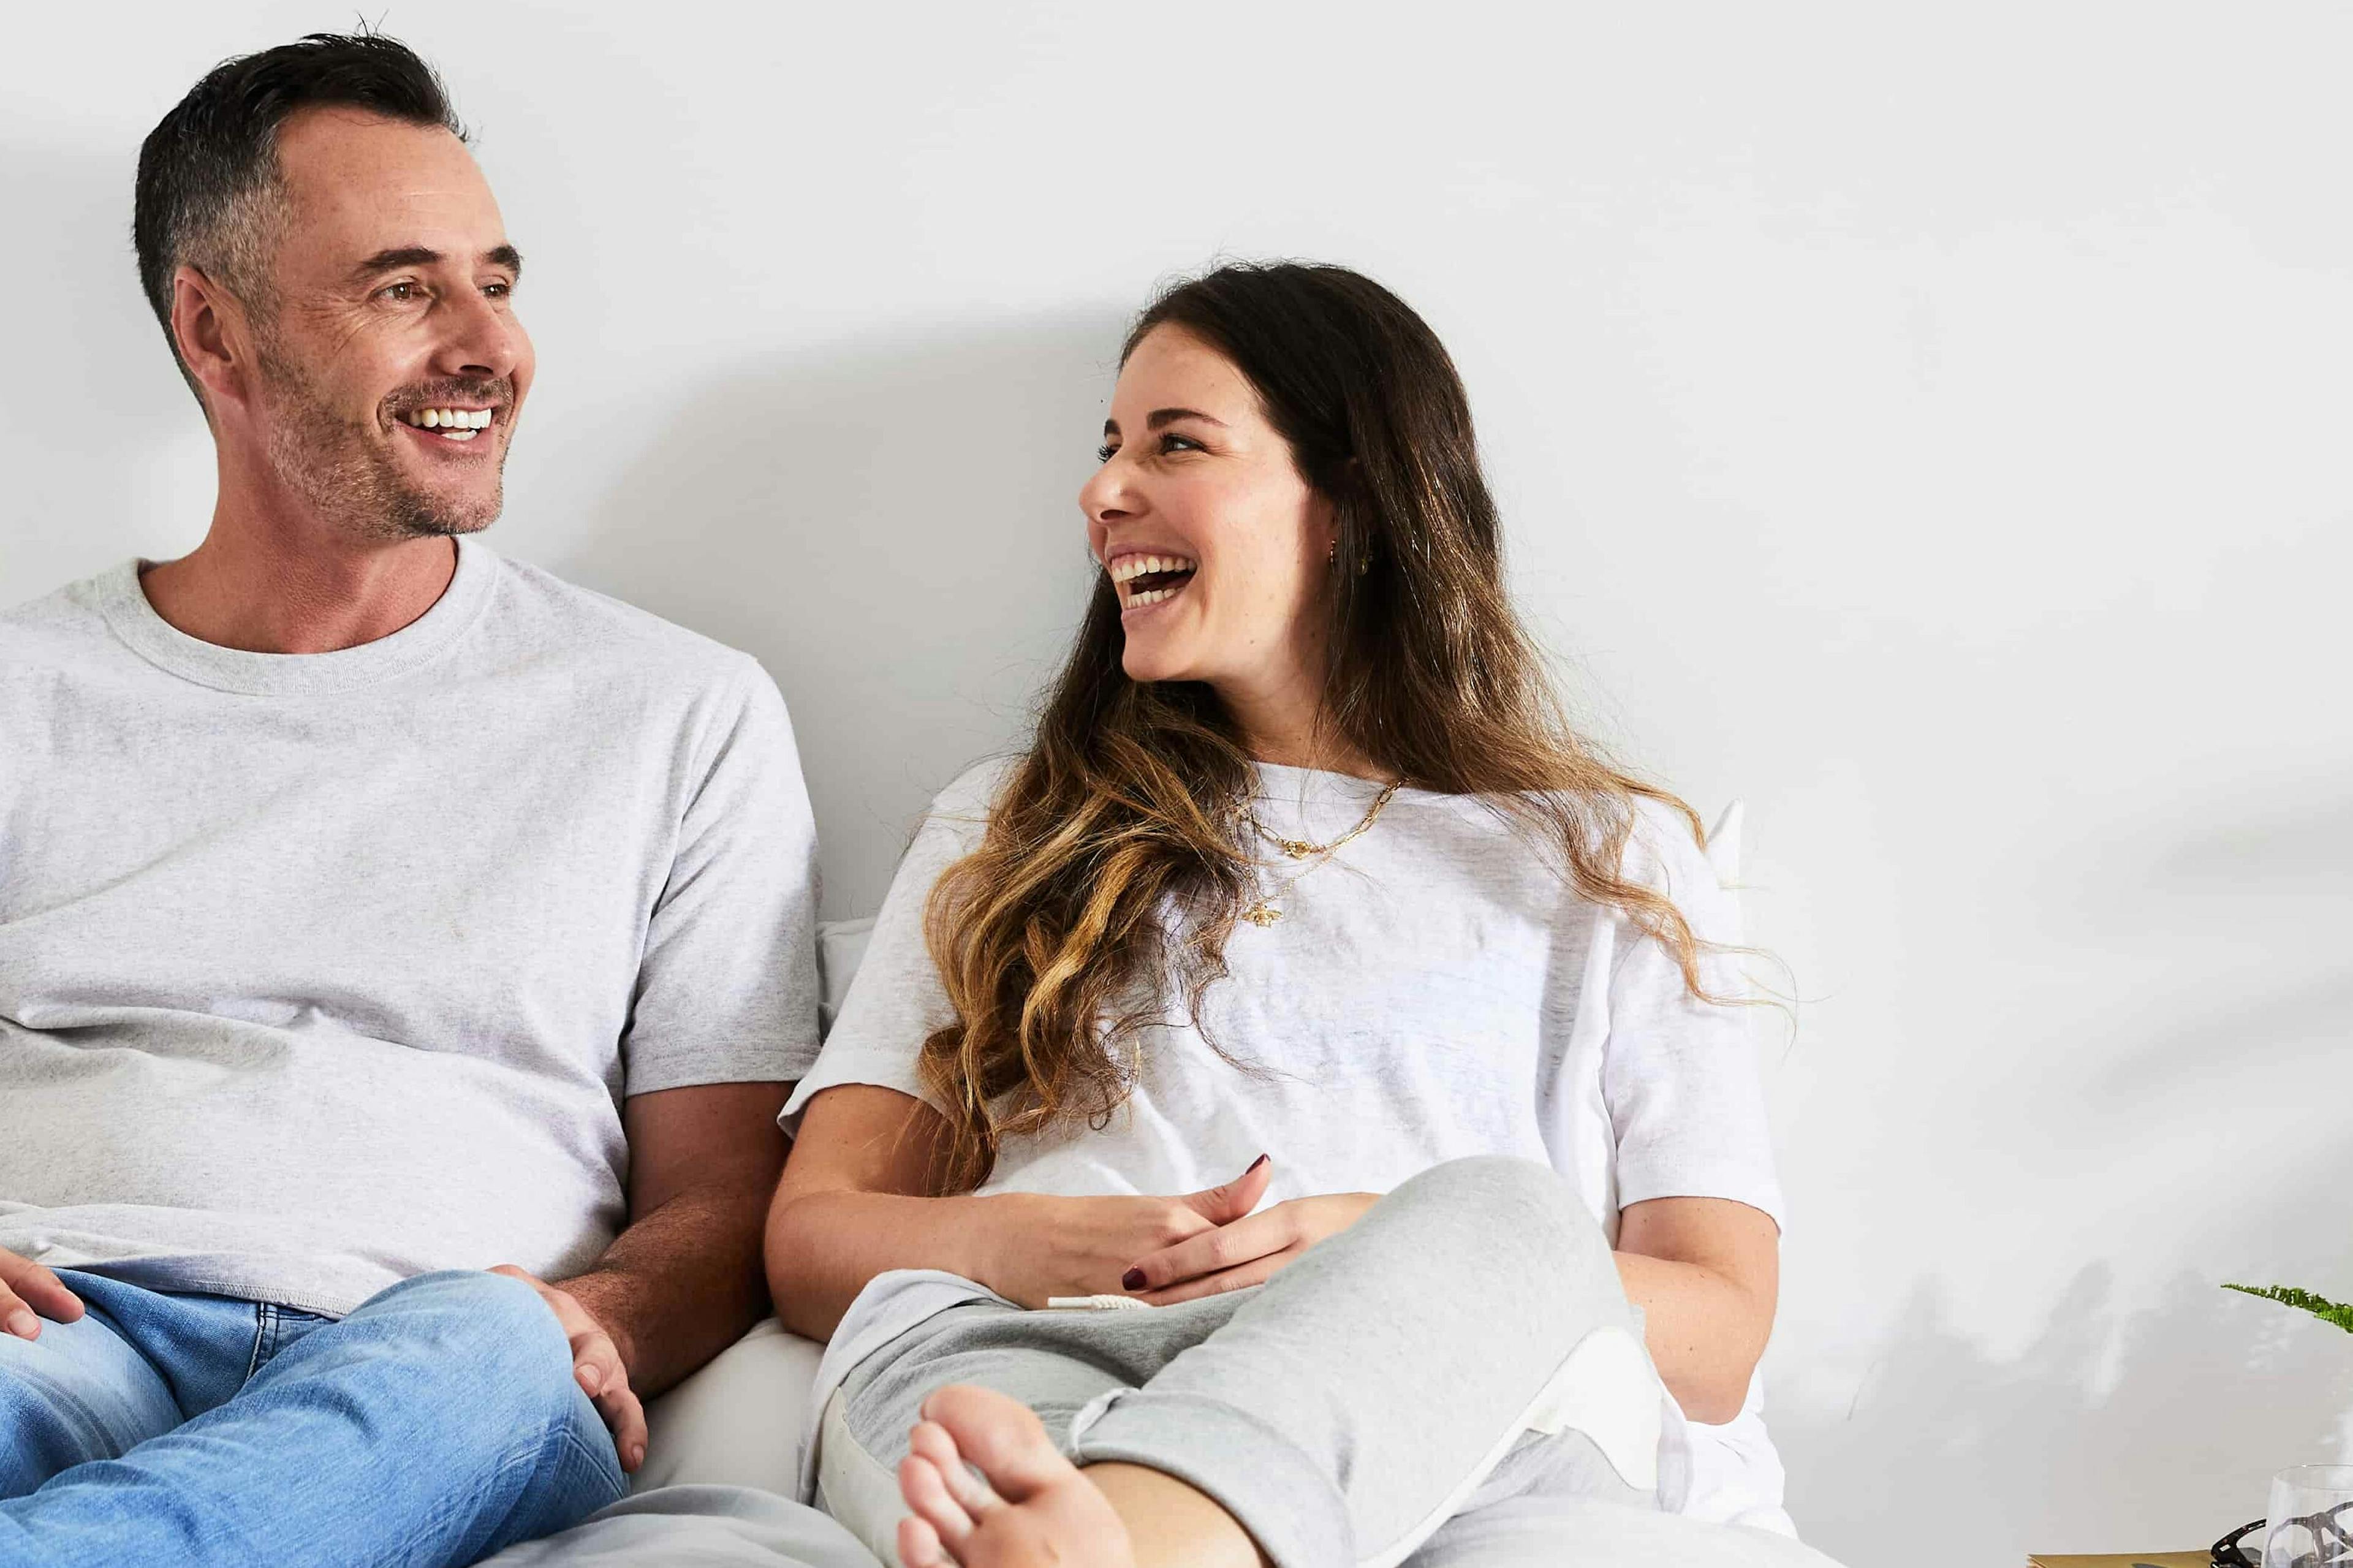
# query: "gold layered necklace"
[1266,911]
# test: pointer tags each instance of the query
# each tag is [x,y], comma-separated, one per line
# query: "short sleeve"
[727,991]
[1679,1075]
[896,999]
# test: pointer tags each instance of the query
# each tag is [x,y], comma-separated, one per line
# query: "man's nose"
[477,338]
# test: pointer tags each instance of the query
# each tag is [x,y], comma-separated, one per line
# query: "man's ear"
[213,332]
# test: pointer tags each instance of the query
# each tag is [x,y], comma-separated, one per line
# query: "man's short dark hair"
[208,173]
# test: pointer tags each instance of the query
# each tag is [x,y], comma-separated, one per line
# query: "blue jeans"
[437,1424]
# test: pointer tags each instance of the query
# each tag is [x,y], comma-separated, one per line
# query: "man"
[373,911]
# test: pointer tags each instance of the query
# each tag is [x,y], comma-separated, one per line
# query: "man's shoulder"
[65,626]
[553,614]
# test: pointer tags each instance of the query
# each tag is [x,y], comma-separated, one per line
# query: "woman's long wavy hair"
[1055,939]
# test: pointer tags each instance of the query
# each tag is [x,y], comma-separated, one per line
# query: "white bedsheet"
[736,1527]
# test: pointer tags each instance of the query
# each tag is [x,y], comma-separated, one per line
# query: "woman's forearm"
[826,1241]
[824,1247]
[1704,1331]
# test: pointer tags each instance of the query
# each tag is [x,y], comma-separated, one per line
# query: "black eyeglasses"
[2332,1544]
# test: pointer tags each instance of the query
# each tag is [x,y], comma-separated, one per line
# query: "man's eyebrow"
[505,255]
[399,256]
[1160,417]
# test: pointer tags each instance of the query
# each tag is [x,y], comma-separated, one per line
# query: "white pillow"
[840,945]
[738,1421]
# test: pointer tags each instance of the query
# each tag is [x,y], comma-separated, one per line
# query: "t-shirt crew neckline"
[1280,783]
[124,602]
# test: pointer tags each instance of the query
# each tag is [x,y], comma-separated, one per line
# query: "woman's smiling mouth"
[1144,580]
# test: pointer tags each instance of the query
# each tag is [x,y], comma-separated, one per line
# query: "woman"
[1302,895]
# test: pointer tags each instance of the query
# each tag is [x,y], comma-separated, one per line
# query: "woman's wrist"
[985,1234]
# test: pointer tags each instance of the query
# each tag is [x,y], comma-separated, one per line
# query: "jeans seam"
[261,1331]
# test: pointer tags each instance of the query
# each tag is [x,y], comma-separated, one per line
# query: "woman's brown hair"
[1111,870]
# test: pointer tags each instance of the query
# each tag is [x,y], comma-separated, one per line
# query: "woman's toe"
[919,1545]
[926,1492]
[930,1440]
[1001,1436]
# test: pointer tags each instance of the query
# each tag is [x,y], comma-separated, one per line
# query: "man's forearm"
[681,1285]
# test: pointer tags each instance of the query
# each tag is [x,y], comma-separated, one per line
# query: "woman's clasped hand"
[1160,1250]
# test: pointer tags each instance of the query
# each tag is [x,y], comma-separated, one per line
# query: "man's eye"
[402,292]
[498,291]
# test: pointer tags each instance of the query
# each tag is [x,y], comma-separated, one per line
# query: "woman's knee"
[1497,1187]
[1484,1199]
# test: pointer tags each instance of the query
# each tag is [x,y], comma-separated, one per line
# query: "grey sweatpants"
[1420,1388]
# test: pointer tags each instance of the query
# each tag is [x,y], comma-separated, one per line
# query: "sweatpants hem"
[1271,1485]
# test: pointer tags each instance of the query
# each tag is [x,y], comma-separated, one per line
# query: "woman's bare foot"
[1037,1508]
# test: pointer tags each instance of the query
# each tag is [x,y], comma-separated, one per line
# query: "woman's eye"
[1172,442]
[1105,454]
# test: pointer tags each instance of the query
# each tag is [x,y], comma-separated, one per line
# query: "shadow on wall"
[2200,1125]
[893,531]
[1946,1453]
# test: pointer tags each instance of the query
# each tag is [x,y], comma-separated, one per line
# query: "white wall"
[1931,428]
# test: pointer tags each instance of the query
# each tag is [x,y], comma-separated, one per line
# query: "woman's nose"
[1105,496]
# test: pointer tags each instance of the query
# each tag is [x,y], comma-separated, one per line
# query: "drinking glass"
[2311,1518]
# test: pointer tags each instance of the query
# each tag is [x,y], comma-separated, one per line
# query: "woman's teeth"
[454,424]
[1129,567]
[1148,579]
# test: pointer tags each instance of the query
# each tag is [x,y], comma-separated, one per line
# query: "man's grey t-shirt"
[321,971]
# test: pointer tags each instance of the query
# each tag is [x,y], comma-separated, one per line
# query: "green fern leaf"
[2329,1311]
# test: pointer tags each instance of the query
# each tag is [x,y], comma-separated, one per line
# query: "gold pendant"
[1261,914]
[1297,850]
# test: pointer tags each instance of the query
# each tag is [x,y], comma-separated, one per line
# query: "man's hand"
[1247,1251]
[597,1363]
[28,1293]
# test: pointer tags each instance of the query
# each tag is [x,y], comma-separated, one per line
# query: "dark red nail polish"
[1254,1165]
[1131,1280]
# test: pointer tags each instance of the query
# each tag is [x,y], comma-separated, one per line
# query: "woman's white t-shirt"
[1435,990]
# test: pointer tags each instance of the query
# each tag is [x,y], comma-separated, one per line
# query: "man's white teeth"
[451,419]
[1128,567]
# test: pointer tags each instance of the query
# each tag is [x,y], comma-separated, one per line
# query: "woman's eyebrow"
[1160,417]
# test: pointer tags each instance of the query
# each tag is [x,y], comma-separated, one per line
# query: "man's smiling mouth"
[450,424]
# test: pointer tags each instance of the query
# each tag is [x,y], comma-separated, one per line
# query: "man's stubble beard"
[346,475]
